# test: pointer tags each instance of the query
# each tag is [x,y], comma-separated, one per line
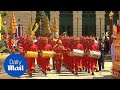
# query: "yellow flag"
[0,25]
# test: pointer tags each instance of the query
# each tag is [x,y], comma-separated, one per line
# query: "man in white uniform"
[113,48]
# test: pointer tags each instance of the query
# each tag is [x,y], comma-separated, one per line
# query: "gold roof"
[13,24]
[47,27]
[29,28]
[54,24]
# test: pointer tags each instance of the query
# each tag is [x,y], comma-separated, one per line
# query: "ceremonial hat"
[77,38]
[81,37]
[21,38]
[38,38]
[54,39]
[29,39]
[59,41]
[45,38]
[93,38]
[87,37]
[84,38]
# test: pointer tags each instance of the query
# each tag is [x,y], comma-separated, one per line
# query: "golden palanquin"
[117,47]
[116,63]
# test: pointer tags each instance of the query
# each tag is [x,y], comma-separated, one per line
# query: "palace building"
[75,23]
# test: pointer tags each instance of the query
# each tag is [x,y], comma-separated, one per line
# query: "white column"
[80,23]
[77,15]
[119,14]
[100,14]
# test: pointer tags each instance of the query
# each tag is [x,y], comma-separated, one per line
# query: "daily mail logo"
[15,65]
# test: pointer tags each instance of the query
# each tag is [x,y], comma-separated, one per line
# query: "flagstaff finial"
[111,14]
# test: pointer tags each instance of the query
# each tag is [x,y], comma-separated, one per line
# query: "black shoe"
[102,67]
[73,72]
[30,75]
[99,69]
[48,69]
[34,71]
[45,73]
[88,71]
[58,71]
[53,68]
[76,73]
[85,70]
[92,73]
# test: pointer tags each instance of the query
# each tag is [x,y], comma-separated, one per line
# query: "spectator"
[106,49]
[101,49]
[96,40]
[113,48]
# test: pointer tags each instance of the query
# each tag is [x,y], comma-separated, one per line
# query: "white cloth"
[96,41]
[15,43]
[113,51]
[35,40]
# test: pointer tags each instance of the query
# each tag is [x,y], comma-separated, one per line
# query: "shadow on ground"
[104,77]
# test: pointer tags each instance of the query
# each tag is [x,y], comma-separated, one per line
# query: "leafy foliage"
[41,29]
[2,43]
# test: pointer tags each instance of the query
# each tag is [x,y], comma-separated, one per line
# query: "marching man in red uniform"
[31,61]
[59,49]
[85,57]
[20,45]
[95,47]
[68,50]
[77,59]
[92,61]
[10,44]
[45,61]
[71,58]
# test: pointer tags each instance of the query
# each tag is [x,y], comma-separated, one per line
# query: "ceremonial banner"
[19,31]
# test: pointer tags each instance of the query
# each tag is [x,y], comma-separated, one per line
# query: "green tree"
[3,13]
[40,15]
[3,29]
[42,30]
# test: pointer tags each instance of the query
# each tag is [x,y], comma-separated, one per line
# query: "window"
[66,21]
[89,23]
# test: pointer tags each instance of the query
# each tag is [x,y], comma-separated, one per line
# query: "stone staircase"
[107,58]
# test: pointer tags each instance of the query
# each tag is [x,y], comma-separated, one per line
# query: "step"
[107,57]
